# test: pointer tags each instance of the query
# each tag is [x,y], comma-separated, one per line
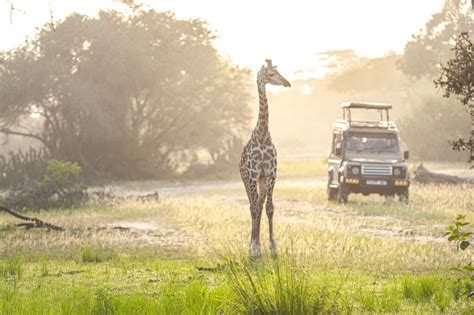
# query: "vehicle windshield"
[372,142]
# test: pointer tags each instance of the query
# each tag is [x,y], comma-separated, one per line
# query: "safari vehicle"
[366,157]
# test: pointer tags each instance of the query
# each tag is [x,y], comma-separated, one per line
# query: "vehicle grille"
[376,170]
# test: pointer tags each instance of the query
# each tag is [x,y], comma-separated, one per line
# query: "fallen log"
[103,196]
[34,222]
[422,175]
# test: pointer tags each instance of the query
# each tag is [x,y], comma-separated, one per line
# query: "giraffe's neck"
[262,123]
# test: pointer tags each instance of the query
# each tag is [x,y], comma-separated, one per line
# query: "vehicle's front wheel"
[343,193]
[332,193]
[403,196]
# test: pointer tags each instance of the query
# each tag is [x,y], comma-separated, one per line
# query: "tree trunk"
[422,175]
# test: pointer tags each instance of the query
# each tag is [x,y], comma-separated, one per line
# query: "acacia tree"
[424,52]
[125,96]
[457,78]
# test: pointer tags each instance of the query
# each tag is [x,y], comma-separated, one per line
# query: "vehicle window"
[372,143]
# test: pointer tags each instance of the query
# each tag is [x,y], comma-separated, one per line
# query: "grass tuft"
[95,255]
[12,267]
[281,286]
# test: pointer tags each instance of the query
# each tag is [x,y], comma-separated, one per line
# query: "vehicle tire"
[332,193]
[403,196]
[343,193]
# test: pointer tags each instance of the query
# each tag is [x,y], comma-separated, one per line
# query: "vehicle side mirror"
[406,155]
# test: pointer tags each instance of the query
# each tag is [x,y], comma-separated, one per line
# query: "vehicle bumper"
[380,185]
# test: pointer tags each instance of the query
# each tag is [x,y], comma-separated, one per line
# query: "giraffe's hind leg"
[270,183]
[262,194]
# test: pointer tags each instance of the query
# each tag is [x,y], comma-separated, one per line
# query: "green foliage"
[283,288]
[122,110]
[103,303]
[175,287]
[461,233]
[61,187]
[387,300]
[12,267]
[421,289]
[457,233]
[61,175]
[95,255]
[456,78]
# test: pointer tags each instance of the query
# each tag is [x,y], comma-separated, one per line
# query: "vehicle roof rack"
[366,105]
[373,124]
[390,125]
[381,107]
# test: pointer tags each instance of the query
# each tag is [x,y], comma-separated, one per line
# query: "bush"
[21,167]
[61,187]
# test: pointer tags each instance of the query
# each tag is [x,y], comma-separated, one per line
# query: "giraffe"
[258,164]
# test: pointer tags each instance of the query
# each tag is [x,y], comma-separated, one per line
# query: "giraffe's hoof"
[273,249]
[255,251]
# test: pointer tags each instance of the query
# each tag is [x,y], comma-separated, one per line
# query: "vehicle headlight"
[355,170]
[399,171]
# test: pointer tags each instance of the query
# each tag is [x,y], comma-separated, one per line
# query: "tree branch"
[24,134]
[36,222]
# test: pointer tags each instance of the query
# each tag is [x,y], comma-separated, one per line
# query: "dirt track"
[292,211]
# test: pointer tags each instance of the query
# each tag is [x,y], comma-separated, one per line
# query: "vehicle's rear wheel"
[403,196]
[343,193]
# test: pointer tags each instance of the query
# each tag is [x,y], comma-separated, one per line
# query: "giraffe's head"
[270,74]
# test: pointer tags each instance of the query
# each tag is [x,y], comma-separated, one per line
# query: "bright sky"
[249,31]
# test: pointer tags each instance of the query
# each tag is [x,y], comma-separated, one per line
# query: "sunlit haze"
[290,32]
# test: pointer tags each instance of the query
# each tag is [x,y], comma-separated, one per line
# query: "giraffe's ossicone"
[258,164]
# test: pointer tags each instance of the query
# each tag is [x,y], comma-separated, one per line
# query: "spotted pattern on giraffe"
[258,164]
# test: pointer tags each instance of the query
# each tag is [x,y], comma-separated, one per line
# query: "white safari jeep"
[366,157]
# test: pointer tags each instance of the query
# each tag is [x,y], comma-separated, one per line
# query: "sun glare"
[291,33]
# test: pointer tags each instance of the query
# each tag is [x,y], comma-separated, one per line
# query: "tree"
[379,74]
[457,78]
[125,96]
[433,113]
[337,61]
[424,52]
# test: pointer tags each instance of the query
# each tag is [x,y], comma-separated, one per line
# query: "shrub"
[60,187]
[22,167]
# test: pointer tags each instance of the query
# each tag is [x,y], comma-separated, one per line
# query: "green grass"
[285,286]
[369,256]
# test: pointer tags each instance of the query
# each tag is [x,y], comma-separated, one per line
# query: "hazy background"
[332,51]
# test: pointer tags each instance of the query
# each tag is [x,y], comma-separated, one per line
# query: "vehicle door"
[335,157]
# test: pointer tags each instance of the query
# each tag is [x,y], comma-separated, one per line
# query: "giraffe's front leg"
[269,209]
[256,213]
